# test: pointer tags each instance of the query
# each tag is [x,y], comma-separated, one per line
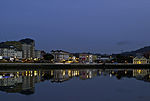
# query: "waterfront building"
[38,54]
[10,51]
[83,57]
[28,48]
[24,46]
[140,60]
[19,54]
[60,56]
[86,57]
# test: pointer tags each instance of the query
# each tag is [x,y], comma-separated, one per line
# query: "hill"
[144,50]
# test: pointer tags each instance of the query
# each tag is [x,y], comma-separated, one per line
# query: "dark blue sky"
[106,26]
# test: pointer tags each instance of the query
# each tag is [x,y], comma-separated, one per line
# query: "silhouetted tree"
[121,59]
[48,56]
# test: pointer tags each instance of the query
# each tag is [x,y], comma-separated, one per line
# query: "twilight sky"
[100,26]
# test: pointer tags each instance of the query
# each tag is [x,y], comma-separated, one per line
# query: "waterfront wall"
[71,66]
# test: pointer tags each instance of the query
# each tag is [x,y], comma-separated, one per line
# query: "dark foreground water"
[75,85]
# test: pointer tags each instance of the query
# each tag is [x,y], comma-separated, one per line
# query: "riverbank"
[72,66]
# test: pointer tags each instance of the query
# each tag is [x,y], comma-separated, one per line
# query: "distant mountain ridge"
[141,51]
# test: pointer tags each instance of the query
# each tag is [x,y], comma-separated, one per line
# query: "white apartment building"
[60,55]
[10,52]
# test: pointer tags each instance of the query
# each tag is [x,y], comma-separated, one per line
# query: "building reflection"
[23,82]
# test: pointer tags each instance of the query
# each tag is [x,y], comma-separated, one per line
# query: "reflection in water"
[24,81]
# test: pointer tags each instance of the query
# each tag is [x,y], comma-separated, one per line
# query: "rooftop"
[27,41]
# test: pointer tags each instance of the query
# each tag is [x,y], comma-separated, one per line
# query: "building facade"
[28,48]
[60,56]
[10,52]
[85,57]
[140,60]
[24,48]
[38,54]
[19,54]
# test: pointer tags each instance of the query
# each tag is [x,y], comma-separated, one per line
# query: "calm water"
[75,85]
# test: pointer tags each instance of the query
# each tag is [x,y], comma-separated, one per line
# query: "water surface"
[75,85]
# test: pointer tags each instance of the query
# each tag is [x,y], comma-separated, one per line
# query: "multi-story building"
[85,57]
[38,54]
[8,52]
[60,56]
[19,54]
[28,48]
[24,48]
[140,60]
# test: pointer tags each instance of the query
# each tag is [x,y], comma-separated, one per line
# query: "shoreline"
[72,66]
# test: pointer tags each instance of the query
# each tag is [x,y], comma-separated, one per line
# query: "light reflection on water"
[23,82]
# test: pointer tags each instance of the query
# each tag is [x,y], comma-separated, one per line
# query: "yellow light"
[69,72]
[139,71]
[139,62]
[78,72]
[64,72]
[52,72]
[35,73]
